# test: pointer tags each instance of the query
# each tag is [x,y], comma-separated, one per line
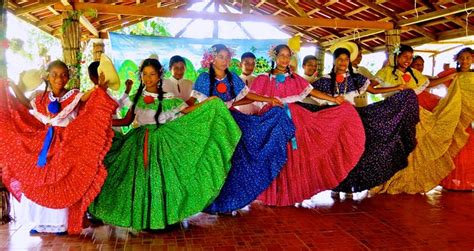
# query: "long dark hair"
[338,52]
[212,74]
[403,48]
[159,69]
[467,49]
[54,64]
[276,51]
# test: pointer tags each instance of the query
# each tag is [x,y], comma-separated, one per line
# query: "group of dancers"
[224,141]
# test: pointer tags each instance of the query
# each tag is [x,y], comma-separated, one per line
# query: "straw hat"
[31,79]
[107,67]
[350,46]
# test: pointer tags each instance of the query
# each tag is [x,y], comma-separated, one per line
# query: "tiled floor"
[437,221]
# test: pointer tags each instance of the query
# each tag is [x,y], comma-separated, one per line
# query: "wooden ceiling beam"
[32,8]
[437,14]
[446,35]
[168,12]
[356,11]
[82,19]
[351,37]
[297,8]
[458,21]
[49,20]
[392,15]
[379,9]
[412,11]
[423,32]
[13,7]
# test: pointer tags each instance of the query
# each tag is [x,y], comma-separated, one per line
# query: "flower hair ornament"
[272,53]
[210,54]
[396,49]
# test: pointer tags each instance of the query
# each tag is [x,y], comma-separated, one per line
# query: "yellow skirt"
[440,134]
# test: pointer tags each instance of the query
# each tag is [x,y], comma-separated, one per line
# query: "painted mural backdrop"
[129,50]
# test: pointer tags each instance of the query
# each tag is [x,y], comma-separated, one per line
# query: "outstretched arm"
[438,81]
[321,95]
[20,95]
[371,88]
[193,107]
[125,121]
[255,97]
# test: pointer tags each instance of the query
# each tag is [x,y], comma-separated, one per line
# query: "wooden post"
[392,41]
[320,54]
[3,34]
[4,194]
[97,50]
[71,41]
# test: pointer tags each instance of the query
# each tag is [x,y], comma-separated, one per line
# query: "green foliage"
[262,65]
[153,27]
[75,15]
[235,66]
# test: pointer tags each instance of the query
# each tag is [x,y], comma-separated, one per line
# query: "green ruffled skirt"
[188,161]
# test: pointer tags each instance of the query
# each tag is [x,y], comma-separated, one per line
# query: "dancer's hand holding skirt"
[188,161]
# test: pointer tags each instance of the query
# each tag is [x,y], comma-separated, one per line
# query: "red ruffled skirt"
[427,100]
[74,173]
[329,144]
[462,177]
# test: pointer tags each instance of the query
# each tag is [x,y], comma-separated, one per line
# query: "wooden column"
[320,54]
[3,38]
[71,41]
[4,194]
[97,49]
[392,41]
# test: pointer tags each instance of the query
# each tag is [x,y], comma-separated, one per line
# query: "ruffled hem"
[462,177]
[329,144]
[178,181]
[428,101]
[390,128]
[441,135]
[74,172]
[258,159]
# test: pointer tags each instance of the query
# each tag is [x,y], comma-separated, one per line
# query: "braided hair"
[159,69]
[276,51]
[403,48]
[338,52]
[54,64]
[212,73]
[456,57]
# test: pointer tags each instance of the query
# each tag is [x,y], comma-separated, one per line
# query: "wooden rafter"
[450,34]
[391,15]
[437,14]
[32,8]
[412,11]
[31,19]
[247,33]
[83,20]
[168,12]
[356,11]
[49,20]
[180,33]
[350,37]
